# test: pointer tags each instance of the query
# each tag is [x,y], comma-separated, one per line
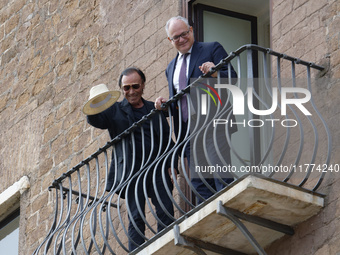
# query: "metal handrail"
[83,221]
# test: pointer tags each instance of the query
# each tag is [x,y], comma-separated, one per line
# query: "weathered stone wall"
[310,30]
[51,53]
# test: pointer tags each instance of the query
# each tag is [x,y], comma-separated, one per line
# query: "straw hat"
[100,99]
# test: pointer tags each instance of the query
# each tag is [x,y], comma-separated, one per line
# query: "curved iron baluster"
[95,213]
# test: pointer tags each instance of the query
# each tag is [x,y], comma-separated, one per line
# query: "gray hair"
[172,19]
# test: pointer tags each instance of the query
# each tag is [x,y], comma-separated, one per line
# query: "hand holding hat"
[100,99]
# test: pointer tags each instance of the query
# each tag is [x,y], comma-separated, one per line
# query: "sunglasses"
[134,86]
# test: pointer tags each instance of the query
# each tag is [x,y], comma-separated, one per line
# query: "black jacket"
[117,119]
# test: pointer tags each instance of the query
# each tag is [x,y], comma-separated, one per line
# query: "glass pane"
[9,238]
[235,33]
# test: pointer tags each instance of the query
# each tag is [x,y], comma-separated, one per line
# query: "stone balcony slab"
[253,195]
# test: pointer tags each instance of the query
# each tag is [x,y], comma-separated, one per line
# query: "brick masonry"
[52,52]
[310,30]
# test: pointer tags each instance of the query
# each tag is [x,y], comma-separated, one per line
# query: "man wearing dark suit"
[200,58]
[126,164]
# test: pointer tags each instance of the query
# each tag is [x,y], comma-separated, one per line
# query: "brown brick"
[164,44]
[151,42]
[4,14]
[293,19]
[3,101]
[298,3]
[137,53]
[58,143]
[84,67]
[71,119]
[2,32]
[168,11]
[52,7]
[64,68]
[81,141]
[32,222]
[315,7]
[133,28]
[62,154]
[46,164]
[63,96]
[41,85]
[144,33]
[27,12]
[334,26]
[11,24]
[75,131]
[91,148]
[62,110]
[52,132]
[69,6]
[16,6]
[7,43]
[22,100]
[61,48]
[281,11]
[39,202]
[88,22]
[49,120]
[62,25]
[76,16]
[48,93]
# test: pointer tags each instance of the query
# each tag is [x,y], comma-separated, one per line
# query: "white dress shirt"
[178,69]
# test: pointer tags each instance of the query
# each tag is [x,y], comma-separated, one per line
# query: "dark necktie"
[182,85]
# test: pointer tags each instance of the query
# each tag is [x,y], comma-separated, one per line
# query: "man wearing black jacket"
[135,156]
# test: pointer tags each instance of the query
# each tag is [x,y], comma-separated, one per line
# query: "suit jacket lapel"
[171,76]
[195,53]
[126,108]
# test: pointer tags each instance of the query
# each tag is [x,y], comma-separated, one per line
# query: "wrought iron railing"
[285,147]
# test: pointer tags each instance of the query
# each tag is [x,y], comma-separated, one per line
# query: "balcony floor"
[252,195]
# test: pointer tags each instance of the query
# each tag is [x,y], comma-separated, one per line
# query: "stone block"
[274,201]
[11,24]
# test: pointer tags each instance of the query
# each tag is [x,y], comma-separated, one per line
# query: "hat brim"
[101,102]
